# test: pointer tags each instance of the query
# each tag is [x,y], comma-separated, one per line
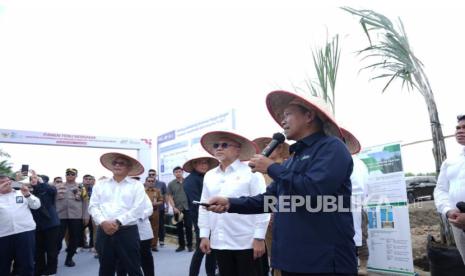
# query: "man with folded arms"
[116,205]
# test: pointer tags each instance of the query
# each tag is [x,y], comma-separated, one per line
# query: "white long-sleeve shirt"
[143,223]
[124,201]
[232,231]
[359,178]
[15,213]
[450,187]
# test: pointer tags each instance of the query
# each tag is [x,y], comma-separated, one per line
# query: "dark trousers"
[196,262]
[161,226]
[146,260]
[20,248]
[187,224]
[238,262]
[123,247]
[47,250]
[74,227]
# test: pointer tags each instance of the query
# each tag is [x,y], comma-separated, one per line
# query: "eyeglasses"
[223,145]
[70,174]
[121,163]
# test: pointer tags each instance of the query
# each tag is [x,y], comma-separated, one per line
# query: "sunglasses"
[121,163]
[70,174]
[223,145]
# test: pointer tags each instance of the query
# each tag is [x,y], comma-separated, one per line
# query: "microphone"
[278,138]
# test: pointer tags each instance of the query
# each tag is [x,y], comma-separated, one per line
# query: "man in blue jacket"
[193,184]
[307,240]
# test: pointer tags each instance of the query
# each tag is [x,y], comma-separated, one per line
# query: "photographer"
[48,225]
[17,240]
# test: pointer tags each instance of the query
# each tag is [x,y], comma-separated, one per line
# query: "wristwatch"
[258,239]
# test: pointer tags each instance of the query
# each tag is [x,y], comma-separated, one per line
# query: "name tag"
[19,199]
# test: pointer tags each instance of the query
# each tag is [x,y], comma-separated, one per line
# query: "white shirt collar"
[233,166]
[127,179]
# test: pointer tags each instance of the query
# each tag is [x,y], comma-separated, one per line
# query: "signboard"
[389,239]
[175,147]
[143,146]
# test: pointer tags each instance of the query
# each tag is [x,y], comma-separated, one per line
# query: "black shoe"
[69,262]
[190,249]
[181,248]
[155,249]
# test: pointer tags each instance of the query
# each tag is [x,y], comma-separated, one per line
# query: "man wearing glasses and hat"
[72,211]
[304,242]
[116,205]
[237,241]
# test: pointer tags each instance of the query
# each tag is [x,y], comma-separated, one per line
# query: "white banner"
[174,147]
[71,140]
[389,239]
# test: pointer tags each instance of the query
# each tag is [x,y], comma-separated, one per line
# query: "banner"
[389,240]
[174,148]
[71,140]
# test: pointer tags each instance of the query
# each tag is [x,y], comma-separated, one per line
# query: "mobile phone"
[16,185]
[200,203]
[24,169]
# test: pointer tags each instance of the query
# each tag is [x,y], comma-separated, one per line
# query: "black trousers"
[20,248]
[161,226]
[196,261]
[123,247]
[74,227]
[238,262]
[146,259]
[187,224]
[47,250]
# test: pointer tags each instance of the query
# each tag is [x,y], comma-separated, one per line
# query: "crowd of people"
[224,202]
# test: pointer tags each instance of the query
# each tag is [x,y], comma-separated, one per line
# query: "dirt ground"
[424,220]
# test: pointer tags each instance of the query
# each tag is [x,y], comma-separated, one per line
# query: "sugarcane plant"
[395,60]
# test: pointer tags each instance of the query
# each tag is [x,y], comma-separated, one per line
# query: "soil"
[424,221]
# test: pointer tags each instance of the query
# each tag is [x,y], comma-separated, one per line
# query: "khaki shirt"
[70,201]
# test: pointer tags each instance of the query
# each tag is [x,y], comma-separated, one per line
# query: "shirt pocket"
[236,186]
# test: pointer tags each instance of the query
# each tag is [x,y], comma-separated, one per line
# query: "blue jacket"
[46,216]
[193,185]
[303,241]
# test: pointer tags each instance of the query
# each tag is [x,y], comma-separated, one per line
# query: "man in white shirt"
[116,205]
[17,228]
[358,178]
[450,189]
[237,240]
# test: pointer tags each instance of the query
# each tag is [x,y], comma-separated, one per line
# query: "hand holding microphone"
[261,162]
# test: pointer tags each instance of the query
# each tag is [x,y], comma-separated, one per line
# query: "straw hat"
[351,141]
[108,158]
[180,217]
[248,148]
[277,101]
[262,142]
[189,165]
